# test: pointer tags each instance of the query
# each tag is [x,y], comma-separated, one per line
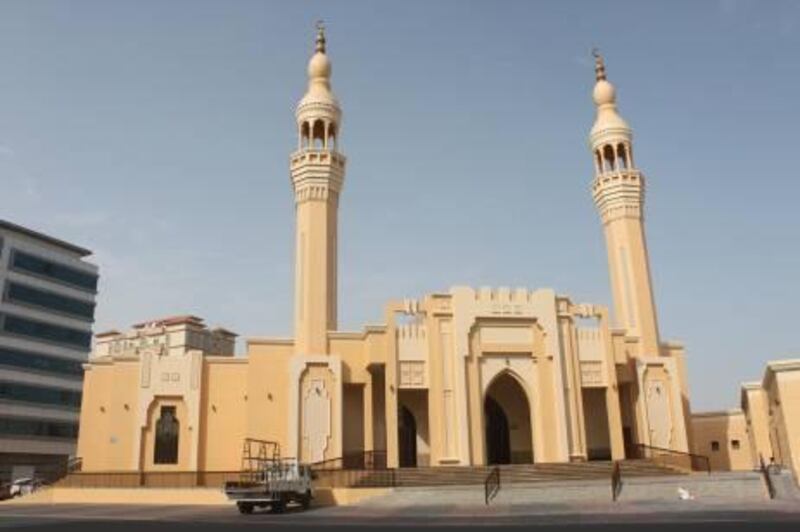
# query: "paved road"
[122,518]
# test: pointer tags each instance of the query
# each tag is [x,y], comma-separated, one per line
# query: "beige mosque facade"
[461,377]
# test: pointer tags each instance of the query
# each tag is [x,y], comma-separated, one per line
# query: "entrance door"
[407,436]
[498,438]
[507,422]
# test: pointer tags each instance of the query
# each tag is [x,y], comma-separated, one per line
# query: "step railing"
[616,481]
[669,457]
[767,477]
[367,469]
[367,460]
[491,487]
[355,478]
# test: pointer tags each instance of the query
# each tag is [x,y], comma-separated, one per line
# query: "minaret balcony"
[319,156]
[619,194]
[612,178]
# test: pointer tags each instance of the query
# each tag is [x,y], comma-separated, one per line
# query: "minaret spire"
[618,190]
[320,44]
[599,65]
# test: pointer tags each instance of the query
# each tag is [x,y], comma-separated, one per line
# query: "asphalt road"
[123,518]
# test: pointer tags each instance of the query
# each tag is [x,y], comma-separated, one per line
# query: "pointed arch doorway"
[498,434]
[507,422]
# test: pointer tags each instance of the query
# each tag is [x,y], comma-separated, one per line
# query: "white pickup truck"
[276,484]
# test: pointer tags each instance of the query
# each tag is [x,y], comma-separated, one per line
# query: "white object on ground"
[684,495]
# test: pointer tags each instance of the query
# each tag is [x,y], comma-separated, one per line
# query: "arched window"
[167,431]
[318,135]
[331,144]
[608,158]
[305,135]
[622,157]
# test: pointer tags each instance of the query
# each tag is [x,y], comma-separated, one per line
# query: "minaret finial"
[320,36]
[599,65]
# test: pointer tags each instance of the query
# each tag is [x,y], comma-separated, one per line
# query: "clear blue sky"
[157,134]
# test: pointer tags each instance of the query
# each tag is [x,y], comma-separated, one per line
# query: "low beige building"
[723,438]
[772,407]
[766,428]
[461,377]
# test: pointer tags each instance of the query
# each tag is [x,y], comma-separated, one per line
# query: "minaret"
[317,171]
[618,191]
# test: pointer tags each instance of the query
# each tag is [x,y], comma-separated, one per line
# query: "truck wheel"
[305,500]
[245,508]
[279,506]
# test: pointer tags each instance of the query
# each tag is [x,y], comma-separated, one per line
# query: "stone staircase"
[640,490]
[511,474]
[786,487]
[730,486]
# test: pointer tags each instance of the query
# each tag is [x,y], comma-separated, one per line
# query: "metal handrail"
[616,481]
[694,459]
[491,486]
[367,460]
[767,478]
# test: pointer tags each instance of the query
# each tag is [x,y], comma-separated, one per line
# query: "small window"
[735,445]
[715,446]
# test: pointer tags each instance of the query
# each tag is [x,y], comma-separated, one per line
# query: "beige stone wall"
[107,437]
[754,404]
[783,391]
[223,414]
[268,400]
[772,411]
[723,437]
[676,352]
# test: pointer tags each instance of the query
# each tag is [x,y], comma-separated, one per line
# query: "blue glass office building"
[46,315]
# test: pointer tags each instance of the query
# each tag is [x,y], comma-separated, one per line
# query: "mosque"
[460,377]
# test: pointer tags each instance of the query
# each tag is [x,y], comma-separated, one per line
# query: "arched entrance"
[407,438]
[498,436]
[507,422]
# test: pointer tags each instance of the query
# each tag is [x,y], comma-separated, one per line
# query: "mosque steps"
[516,473]
[647,493]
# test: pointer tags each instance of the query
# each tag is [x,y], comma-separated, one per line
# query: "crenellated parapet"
[503,294]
